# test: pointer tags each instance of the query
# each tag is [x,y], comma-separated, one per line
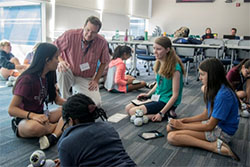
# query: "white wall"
[220,16]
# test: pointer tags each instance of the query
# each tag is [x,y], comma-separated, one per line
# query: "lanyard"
[43,94]
[242,81]
[88,46]
[160,80]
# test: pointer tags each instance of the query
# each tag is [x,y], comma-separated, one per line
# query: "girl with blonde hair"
[166,94]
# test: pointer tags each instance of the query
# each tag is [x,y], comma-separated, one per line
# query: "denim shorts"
[117,91]
[156,106]
[217,132]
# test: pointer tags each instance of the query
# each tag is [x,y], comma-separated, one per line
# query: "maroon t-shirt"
[233,76]
[30,89]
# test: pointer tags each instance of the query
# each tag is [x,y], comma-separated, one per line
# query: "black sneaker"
[47,141]
[14,126]
[172,114]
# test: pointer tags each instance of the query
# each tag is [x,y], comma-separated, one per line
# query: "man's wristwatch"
[161,114]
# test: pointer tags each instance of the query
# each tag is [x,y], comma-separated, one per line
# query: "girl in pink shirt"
[116,80]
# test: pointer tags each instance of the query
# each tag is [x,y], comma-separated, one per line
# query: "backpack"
[181,32]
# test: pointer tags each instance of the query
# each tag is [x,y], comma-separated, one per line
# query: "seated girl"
[86,142]
[239,77]
[216,125]
[33,88]
[167,93]
[117,81]
[8,63]
[28,59]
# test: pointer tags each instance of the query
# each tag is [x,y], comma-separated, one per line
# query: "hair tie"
[92,108]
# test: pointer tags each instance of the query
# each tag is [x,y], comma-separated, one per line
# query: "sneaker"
[150,85]
[172,114]
[245,114]
[47,141]
[12,79]
[14,125]
[9,83]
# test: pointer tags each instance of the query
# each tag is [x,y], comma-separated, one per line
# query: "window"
[137,26]
[21,24]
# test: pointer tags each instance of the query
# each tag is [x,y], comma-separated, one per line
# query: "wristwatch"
[161,114]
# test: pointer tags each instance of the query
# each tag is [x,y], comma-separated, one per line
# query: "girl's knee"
[171,138]
[128,107]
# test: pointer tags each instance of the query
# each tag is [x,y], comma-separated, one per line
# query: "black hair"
[245,62]
[216,76]
[234,29]
[44,53]
[120,50]
[82,108]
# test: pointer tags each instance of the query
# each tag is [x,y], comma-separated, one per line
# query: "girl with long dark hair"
[216,125]
[117,81]
[34,88]
[239,77]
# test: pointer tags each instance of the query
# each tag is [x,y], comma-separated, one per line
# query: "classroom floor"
[15,152]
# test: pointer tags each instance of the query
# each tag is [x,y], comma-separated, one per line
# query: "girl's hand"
[175,123]
[157,118]
[142,95]
[93,85]
[57,162]
[41,118]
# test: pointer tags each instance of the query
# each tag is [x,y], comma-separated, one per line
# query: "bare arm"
[197,126]
[100,71]
[16,111]
[62,65]
[93,85]
[197,118]
[170,103]
[59,100]
[149,93]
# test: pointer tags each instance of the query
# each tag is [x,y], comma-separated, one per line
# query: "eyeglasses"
[89,31]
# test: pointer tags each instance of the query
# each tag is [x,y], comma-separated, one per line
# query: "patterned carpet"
[15,152]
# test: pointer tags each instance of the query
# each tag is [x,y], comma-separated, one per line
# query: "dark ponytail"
[83,108]
[120,50]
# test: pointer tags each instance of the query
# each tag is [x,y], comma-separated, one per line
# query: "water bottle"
[117,36]
[146,36]
[126,35]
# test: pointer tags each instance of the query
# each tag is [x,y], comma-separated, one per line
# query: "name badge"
[84,66]
[155,97]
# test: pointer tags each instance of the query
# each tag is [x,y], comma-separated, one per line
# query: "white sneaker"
[44,142]
[9,83]
[12,78]
[245,114]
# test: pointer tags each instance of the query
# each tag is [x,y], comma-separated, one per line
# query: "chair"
[211,53]
[146,55]
[187,56]
[228,52]
[242,54]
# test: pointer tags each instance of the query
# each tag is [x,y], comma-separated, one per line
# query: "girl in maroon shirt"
[239,77]
[33,88]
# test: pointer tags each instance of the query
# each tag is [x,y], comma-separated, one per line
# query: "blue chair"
[146,55]
[187,56]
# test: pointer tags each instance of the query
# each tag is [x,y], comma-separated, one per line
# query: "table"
[234,48]
[134,44]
